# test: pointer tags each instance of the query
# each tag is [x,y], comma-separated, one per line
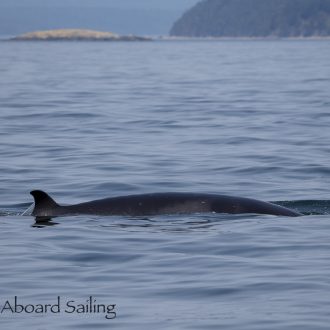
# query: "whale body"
[157,204]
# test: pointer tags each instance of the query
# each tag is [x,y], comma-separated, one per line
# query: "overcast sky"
[145,4]
[141,17]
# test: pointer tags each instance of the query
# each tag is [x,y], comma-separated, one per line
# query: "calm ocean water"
[87,120]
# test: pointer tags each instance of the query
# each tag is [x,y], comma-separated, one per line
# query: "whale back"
[158,203]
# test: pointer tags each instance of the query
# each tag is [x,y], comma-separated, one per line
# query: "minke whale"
[157,204]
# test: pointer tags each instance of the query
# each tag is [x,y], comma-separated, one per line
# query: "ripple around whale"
[306,207]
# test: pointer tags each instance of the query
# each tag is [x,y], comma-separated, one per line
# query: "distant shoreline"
[168,38]
[179,38]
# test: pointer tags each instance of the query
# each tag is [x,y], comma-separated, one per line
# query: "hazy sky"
[144,17]
[160,4]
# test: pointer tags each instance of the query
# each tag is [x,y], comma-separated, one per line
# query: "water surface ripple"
[90,120]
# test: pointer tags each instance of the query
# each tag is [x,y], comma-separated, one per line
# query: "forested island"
[76,35]
[255,18]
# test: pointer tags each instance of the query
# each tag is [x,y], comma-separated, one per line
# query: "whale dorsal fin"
[43,203]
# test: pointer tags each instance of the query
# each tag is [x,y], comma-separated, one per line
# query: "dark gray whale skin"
[156,204]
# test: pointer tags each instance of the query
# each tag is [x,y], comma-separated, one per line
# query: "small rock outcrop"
[76,35]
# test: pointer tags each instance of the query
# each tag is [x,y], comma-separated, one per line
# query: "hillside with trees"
[255,18]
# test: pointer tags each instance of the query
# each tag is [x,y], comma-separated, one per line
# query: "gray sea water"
[87,120]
